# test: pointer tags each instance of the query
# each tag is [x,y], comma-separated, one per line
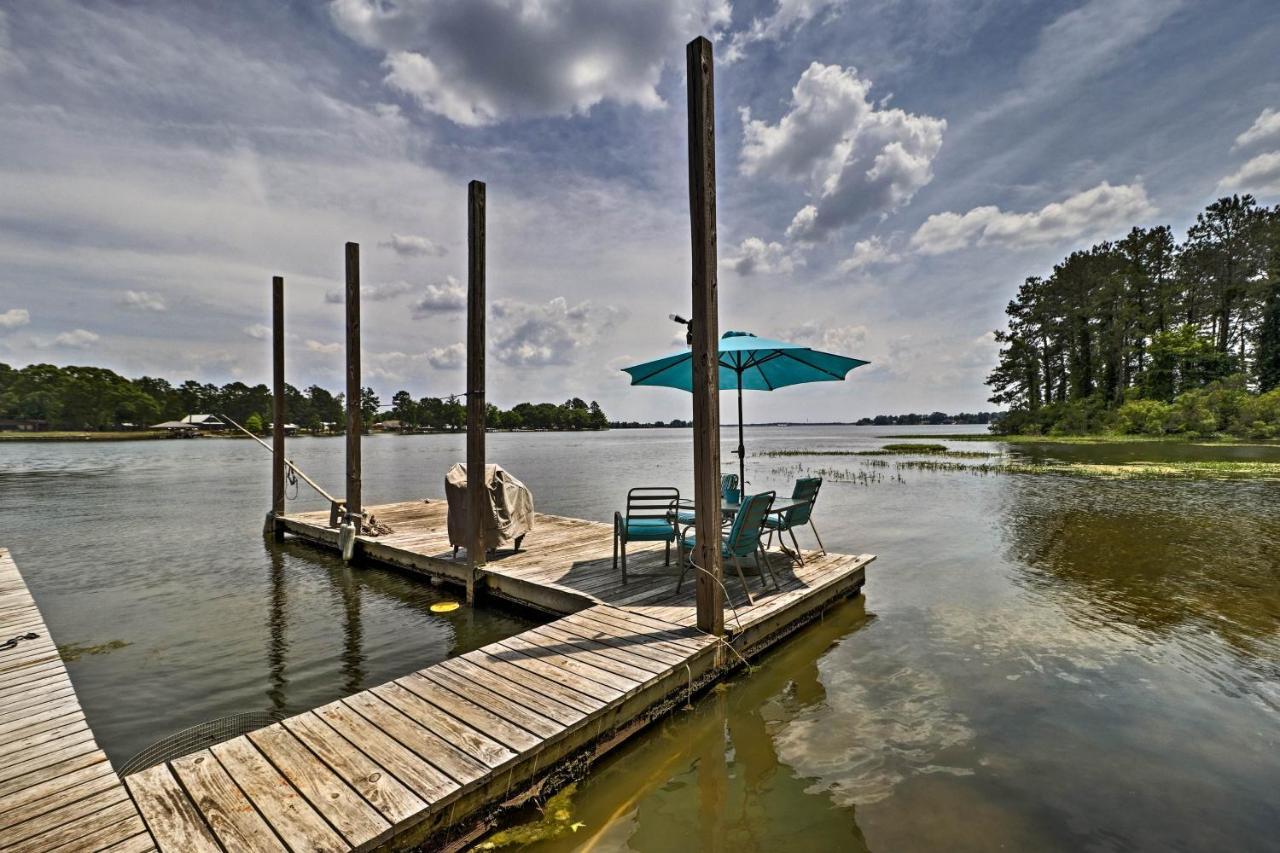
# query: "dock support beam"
[277,408]
[355,419]
[706,334]
[477,504]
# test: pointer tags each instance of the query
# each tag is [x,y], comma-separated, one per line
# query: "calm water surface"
[1039,662]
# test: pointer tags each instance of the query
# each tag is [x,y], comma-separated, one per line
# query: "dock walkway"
[58,791]
[431,757]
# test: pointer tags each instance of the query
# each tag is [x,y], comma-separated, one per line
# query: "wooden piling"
[355,420]
[477,504]
[278,408]
[706,333]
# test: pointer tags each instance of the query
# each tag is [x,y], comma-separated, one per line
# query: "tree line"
[1150,335]
[95,398]
[450,413]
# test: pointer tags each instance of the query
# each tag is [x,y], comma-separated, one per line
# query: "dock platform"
[58,791]
[433,758]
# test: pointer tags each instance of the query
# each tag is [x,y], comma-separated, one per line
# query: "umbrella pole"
[742,450]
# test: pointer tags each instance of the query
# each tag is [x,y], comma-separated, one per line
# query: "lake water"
[1039,662]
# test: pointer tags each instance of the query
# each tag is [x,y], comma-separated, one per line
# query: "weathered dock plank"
[57,789]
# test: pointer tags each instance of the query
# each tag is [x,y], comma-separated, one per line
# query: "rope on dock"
[12,642]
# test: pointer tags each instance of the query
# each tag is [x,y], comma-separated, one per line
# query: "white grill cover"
[510,506]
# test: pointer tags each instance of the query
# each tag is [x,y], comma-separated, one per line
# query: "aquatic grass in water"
[890,450]
[1200,470]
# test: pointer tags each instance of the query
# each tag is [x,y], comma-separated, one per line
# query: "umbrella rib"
[838,376]
[636,380]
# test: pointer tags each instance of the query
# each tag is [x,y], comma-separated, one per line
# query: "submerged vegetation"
[70,652]
[1147,336]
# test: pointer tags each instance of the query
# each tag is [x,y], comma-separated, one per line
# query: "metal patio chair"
[650,517]
[806,490]
[744,539]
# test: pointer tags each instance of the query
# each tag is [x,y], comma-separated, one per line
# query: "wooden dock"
[57,789]
[431,758]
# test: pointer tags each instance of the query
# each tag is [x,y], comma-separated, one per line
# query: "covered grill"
[510,514]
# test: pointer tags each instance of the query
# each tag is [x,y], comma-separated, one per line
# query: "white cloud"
[257,331]
[143,300]
[1261,175]
[857,157]
[414,246]
[868,253]
[1086,214]
[1092,38]
[551,333]
[448,358]
[1265,128]
[15,317]
[327,349]
[76,339]
[478,62]
[448,295]
[841,340]
[754,255]
[371,292]
[787,16]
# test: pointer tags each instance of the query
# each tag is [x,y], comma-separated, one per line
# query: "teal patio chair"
[650,517]
[744,539]
[685,516]
[806,490]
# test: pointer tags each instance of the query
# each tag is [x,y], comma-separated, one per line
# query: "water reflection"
[353,676]
[277,628]
[1142,563]
[711,778]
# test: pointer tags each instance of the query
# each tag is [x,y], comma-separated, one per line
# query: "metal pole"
[706,333]
[477,498]
[742,449]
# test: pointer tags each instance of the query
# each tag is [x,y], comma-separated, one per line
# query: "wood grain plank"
[475,715]
[234,821]
[460,766]
[377,785]
[288,813]
[425,780]
[172,818]
[345,810]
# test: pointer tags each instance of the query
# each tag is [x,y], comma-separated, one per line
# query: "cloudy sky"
[888,173]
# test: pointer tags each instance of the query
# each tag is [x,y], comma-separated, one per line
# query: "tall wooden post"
[706,334]
[355,420]
[477,502]
[277,409]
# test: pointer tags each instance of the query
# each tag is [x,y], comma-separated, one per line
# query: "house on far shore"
[205,422]
[23,425]
[182,429]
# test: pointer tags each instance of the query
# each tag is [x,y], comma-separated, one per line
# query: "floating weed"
[74,651]
[556,820]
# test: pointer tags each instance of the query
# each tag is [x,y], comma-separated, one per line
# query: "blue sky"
[888,173]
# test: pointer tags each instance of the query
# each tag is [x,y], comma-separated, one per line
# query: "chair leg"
[737,565]
[795,542]
[816,536]
[768,567]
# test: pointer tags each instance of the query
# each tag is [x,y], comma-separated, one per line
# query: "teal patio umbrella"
[752,364]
